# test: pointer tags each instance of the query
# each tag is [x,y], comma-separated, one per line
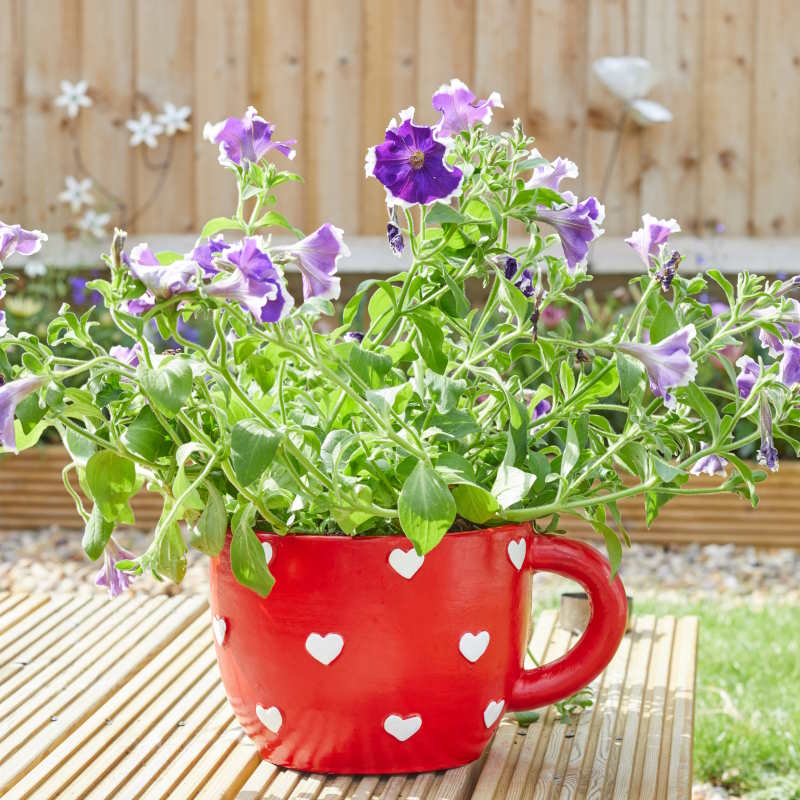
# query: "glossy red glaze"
[406,690]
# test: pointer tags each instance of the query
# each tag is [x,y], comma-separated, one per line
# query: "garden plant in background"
[420,428]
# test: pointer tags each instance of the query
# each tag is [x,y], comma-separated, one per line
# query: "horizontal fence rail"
[32,496]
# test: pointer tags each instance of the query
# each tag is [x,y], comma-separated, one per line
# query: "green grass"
[747,723]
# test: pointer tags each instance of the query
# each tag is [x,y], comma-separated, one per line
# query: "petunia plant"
[416,411]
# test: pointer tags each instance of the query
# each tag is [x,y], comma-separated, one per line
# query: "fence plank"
[12,99]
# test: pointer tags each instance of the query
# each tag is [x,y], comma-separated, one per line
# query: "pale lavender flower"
[3,326]
[126,355]
[669,363]
[317,258]
[549,176]
[767,454]
[115,580]
[80,295]
[15,239]
[204,254]
[410,164]
[245,140]
[789,369]
[577,226]
[788,326]
[140,305]
[653,233]
[163,280]
[710,464]
[749,373]
[256,283]
[11,394]
[460,108]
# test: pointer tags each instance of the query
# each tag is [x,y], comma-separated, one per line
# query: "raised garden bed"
[32,496]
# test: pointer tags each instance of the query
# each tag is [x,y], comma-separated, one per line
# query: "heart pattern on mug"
[492,712]
[405,562]
[271,718]
[516,552]
[267,551]
[402,728]
[473,645]
[324,648]
[220,628]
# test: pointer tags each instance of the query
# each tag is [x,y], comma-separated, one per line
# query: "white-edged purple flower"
[460,108]
[317,257]
[354,336]
[115,580]
[245,139]
[668,363]
[126,355]
[204,254]
[549,176]
[255,283]
[711,464]
[11,394]
[767,454]
[541,408]
[525,283]
[410,164]
[140,305]
[789,369]
[3,325]
[163,280]
[577,226]
[788,326]
[653,233]
[749,373]
[395,236]
[15,239]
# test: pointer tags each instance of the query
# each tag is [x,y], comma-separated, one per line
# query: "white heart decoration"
[402,728]
[267,551]
[492,712]
[516,552]
[473,646]
[270,718]
[220,628]
[324,648]
[405,562]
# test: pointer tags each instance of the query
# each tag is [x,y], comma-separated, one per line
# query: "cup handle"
[563,677]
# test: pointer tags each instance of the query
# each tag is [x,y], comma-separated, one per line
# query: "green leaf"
[426,508]
[665,471]
[430,340]
[456,425]
[511,485]
[146,437]
[111,480]
[664,323]
[248,562]
[79,447]
[273,219]
[252,449]
[704,407]
[475,503]
[630,376]
[96,534]
[442,213]
[208,533]
[572,451]
[168,557]
[214,226]
[613,545]
[369,365]
[723,284]
[168,386]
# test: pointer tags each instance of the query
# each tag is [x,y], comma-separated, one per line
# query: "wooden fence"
[332,73]
[32,496]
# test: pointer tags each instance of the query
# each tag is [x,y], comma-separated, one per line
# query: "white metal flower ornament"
[630,78]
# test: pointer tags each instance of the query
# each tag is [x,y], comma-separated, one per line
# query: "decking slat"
[88,710]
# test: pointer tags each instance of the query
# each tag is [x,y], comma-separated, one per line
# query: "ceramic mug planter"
[367,658]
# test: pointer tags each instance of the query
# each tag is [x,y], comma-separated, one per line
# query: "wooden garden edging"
[32,496]
[90,710]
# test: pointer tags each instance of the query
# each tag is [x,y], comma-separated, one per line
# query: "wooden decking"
[122,699]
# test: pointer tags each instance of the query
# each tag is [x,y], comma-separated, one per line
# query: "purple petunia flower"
[255,283]
[15,239]
[510,267]
[767,454]
[115,580]
[712,464]
[525,283]
[669,363]
[80,295]
[411,164]
[541,408]
[3,326]
[163,280]
[653,233]
[204,254]
[140,305]
[549,176]
[395,235]
[317,257]
[354,336]
[10,396]
[245,140]
[789,369]
[460,108]
[749,373]
[788,326]
[577,226]
[126,355]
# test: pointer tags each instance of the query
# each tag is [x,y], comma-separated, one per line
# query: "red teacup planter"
[367,658]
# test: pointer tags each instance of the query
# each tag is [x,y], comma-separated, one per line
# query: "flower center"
[417,159]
